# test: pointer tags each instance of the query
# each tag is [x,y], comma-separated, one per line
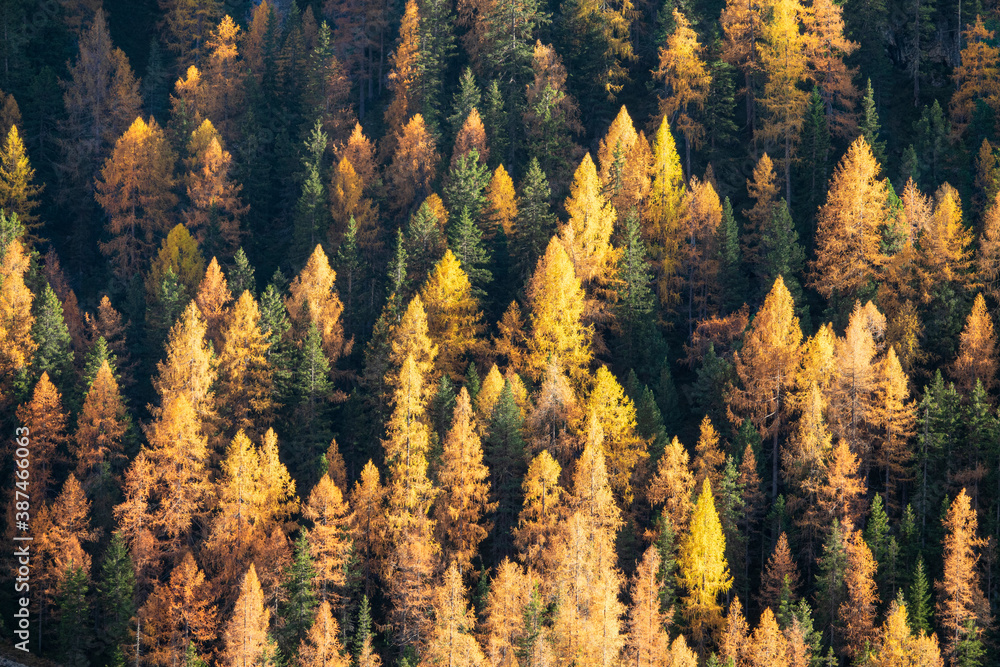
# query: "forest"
[507,333]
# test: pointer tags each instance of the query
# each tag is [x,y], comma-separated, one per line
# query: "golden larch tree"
[826,48]
[214,299]
[246,635]
[897,646]
[988,257]
[857,613]
[648,641]
[673,484]
[17,347]
[977,350]
[245,386]
[783,59]
[471,135]
[454,321]
[849,224]
[742,24]
[895,416]
[368,522]
[945,254]
[703,570]
[101,426]
[624,158]
[977,76]
[663,210]
[624,449]
[463,502]
[700,220]
[686,82]
[709,458]
[960,594]
[767,645]
[404,72]
[779,571]
[215,208]
[763,190]
[178,617]
[502,202]
[224,76]
[321,646]
[329,538]
[540,526]
[18,191]
[452,641]
[190,367]
[46,421]
[313,299]
[135,189]
[766,369]
[504,623]
[413,164]
[556,327]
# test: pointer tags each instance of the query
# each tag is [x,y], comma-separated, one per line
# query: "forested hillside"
[516,333]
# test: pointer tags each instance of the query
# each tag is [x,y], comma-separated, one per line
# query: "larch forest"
[507,333]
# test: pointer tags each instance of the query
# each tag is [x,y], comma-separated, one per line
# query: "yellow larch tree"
[502,201]
[215,208]
[586,237]
[849,225]
[246,638]
[700,220]
[624,157]
[454,320]
[977,76]
[245,386]
[18,192]
[766,369]
[135,189]
[46,420]
[663,210]
[313,299]
[624,449]
[826,48]
[329,539]
[648,641]
[895,416]
[214,299]
[463,502]
[988,256]
[178,253]
[783,59]
[539,531]
[703,570]
[17,347]
[767,644]
[735,641]
[556,327]
[960,595]
[404,71]
[841,491]
[556,413]
[368,523]
[489,393]
[321,646]
[224,76]
[178,617]
[452,641]
[348,200]
[897,646]
[471,135]
[414,164]
[686,83]
[857,612]
[101,426]
[709,460]
[190,368]
[945,252]
[673,485]
[410,337]
[977,350]
[763,190]
[504,623]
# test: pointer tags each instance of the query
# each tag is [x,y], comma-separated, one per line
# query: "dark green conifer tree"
[466,185]
[117,594]
[311,212]
[504,449]
[73,631]
[299,597]
[424,244]
[918,599]
[535,223]
[730,263]
[467,97]
[636,300]
[51,335]
[466,240]
[814,154]
[869,124]
[241,275]
[781,254]
[830,587]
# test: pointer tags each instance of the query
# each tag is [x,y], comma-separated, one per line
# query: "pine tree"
[116,593]
[73,632]
[465,239]
[535,222]
[870,126]
[505,456]
[311,214]
[424,245]
[551,117]
[919,599]
[636,300]
[52,340]
[729,259]
[814,153]
[781,253]
[703,569]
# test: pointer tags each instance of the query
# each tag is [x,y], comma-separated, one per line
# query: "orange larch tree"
[313,299]
[245,388]
[849,224]
[895,416]
[977,76]
[452,641]
[857,612]
[178,618]
[321,646]
[977,350]
[766,369]
[826,49]
[454,321]
[16,320]
[215,208]
[101,426]
[246,635]
[463,503]
[214,299]
[46,421]
[135,189]
[673,485]
[648,641]
[413,164]
[686,82]
[539,531]
[780,571]
[504,623]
